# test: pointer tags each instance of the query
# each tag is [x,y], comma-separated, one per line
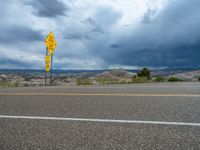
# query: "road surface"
[135,116]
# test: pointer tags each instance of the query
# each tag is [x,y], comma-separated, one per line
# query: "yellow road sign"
[50,43]
[47,59]
[47,67]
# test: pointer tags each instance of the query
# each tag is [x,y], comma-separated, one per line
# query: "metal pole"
[51,69]
[45,70]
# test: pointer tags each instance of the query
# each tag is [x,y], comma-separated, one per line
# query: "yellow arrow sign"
[47,67]
[50,43]
[47,60]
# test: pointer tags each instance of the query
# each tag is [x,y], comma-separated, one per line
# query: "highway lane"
[188,88]
[18,133]
[56,135]
[183,109]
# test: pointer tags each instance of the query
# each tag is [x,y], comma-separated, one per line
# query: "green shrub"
[123,82]
[101,80]
[159,79]
[15,84]
[139,80]
[2,84]
[84,81]
[109,80]
[174,79]
[144,73]
[10,84]
[5,84]
[113,81]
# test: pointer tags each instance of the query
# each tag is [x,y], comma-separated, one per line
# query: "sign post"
[45,68]
[50,47]
[51,79]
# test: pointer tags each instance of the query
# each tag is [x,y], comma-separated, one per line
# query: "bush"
[5,84]
[139,80]
[174,79]
[2,84]
[15,84]
[199,78]
[10,84]
[144,73]
[109,80]
[159,79]
[84,81]
[101,80]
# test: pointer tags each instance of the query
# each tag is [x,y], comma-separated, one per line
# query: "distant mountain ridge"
[115,72]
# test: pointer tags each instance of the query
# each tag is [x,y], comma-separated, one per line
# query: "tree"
[144,73]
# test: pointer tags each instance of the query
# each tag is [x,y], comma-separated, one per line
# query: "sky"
[100,34]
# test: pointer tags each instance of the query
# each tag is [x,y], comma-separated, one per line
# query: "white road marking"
[102,120]
[102,94]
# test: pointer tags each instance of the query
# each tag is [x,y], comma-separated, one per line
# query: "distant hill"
[183,73]
[189,75]
[116,73]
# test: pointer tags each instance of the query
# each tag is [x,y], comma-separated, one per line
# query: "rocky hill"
[188,76]
[116,73]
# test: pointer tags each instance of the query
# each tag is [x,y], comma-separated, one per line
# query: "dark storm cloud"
[116,46]
[14,63]
[148,16]
[172,57]
[13,34]
[88,29]
[77,36]
[172,38]
[107,16]
[49,8]
[95,26]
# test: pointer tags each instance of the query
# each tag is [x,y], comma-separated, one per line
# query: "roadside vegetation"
[84,81]
[174,79]
[143,76]
[144,73]
[9,84]
[115,76]
[159,79]
[108,80]
[136,79]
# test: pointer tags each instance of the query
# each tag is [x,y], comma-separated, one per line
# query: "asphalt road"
[138,116]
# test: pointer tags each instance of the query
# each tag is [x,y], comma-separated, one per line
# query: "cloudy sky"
[100,34]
